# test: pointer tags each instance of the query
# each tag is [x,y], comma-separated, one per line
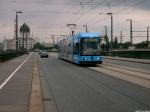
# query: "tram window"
[89,46]
[69,47]
[76,48]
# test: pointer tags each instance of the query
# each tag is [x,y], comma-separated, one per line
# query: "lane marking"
[12,74]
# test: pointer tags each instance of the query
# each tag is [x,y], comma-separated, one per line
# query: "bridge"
[32,84]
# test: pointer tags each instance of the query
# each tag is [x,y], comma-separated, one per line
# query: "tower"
[24,36]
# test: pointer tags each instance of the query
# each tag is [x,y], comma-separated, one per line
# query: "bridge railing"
[7,55]
[137,53]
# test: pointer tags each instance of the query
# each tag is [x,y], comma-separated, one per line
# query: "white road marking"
[12,74]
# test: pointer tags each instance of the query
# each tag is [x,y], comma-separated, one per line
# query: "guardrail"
[140,54]
[4,56]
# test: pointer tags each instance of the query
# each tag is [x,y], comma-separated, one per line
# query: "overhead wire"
[82,5]
[80,16]
[132,6]
[123,9]
[109,11]
[108,5]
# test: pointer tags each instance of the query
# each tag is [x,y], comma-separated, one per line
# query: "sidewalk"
[14,96]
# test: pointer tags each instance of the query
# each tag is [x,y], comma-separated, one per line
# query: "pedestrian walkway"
[14,96]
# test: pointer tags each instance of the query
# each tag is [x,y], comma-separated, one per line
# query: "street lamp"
[121,37]
[52,36]
[17,31]
[105,30]
[131,35]
[148,34]
[86,29]
[72,27]
[111,43]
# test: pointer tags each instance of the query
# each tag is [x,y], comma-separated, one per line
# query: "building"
[25,41]
[1,46]
[9,44]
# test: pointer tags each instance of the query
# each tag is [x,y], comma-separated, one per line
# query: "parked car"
[44,54]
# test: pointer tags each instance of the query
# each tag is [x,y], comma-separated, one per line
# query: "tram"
[82,48]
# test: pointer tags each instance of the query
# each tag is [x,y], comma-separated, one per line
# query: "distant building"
[9,44]
[25,41]
[1,46]
[27,44]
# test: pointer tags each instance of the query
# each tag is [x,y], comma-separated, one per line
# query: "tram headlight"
[98,58]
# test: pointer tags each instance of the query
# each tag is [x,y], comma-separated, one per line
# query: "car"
[40,52]
[44,54]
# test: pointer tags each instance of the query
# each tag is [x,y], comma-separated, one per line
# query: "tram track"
[142,71]
[133,75]
[144,74]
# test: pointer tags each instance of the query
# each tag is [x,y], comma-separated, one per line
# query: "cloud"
[46,17]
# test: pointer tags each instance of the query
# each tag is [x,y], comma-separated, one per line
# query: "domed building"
[25,41]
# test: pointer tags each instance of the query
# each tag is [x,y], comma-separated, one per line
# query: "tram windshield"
[90,46]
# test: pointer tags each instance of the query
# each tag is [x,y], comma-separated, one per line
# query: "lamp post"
[72,27]
[105,30]
[86,29]
[52,36]
[148,34]
[17,31]
[121,37]
[131,35]
[111,43]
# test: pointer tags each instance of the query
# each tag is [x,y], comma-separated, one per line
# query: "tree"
[38,46]
[143,44]
[107,42]
[115,44]
[126,45]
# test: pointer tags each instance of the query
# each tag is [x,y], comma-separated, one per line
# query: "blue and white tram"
[83,48]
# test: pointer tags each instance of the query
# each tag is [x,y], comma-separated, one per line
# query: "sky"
[50,17]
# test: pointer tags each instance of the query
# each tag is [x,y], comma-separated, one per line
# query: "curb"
[36,103]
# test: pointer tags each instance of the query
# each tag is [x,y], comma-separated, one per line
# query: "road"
[114,86]
[80,89]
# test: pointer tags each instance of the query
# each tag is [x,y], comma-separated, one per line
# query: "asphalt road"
[79,89]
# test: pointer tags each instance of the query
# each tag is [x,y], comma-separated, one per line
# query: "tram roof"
[88,34]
